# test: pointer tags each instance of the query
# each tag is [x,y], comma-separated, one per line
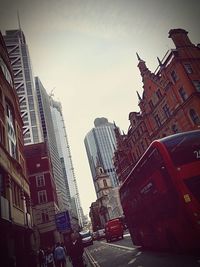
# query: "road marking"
[92,261]
[132,261]
[128,248]
[138,253]
[127,235]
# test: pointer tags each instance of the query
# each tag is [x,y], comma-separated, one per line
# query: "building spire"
[159,62]
[138,57]
[18,19]
[139,97]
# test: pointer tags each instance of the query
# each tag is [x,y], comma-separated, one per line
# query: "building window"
[197,85]
[2,134]
[11,131]
[175,128]
[174,76]
[142,145]
[157,119]
[2,185]
[105,183]
[40,180]
[188,68]
[151,104]
[183,94]
[17,195]
[45,215]
[42,196]
[166,111]
[1,95]
[194,116]
[158,93]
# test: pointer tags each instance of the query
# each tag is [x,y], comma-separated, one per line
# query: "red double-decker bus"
[161,195]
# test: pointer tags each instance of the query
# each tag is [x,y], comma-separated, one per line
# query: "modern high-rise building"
[50,138]
[100,145]
[66,158]
[23,80]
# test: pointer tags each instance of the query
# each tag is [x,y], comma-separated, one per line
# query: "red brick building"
[170,102]
[43,193]
[15,213]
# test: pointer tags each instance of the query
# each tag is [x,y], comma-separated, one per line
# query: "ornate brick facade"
[170,102]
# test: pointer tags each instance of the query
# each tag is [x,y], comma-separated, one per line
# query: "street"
[122,253]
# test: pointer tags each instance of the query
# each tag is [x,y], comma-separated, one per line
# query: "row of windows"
[188,69]
[138,132]
[192,113]
[144,144]
[182,93]
[6,72]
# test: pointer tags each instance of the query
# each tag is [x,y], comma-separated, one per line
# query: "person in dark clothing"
[41,258]
[76,250]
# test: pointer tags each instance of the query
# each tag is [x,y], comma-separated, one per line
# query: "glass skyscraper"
[100,145]
[23,80]
[50,138]
[66,158]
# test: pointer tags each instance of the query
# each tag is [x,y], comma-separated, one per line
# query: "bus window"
[178,146]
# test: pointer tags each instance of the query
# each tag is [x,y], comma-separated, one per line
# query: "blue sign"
[63,221]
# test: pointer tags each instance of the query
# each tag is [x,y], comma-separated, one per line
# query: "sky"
[85,51]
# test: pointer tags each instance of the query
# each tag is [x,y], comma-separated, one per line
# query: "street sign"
[63,221]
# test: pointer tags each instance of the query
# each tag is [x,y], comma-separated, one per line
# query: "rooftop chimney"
[180,38]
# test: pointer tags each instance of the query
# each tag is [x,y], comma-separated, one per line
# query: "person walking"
[76,250]
[59,256]
[41,258]
[49,258]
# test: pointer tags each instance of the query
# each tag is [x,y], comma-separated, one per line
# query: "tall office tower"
[23,81]
[50,137]
[100,144]
[65,157]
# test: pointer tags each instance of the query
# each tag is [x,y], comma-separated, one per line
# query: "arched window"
[101,170]
[194,116]
[105,183]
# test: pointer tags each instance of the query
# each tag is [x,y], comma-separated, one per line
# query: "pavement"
[86,260]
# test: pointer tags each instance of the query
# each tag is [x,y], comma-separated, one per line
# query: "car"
[86,237]
[114,229]
[101,234]
[95,235]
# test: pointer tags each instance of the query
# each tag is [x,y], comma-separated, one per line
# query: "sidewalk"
[68,262]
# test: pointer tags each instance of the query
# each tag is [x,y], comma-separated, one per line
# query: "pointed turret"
[138,57]
[159,62]
[142,66]
[139,97]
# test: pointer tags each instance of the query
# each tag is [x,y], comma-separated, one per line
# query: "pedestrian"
[59,255]
[41,258]
[49,258]
[76,250]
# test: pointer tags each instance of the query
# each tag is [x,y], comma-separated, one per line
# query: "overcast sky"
[86,51]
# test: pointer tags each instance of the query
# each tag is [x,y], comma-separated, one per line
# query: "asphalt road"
[121,253]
